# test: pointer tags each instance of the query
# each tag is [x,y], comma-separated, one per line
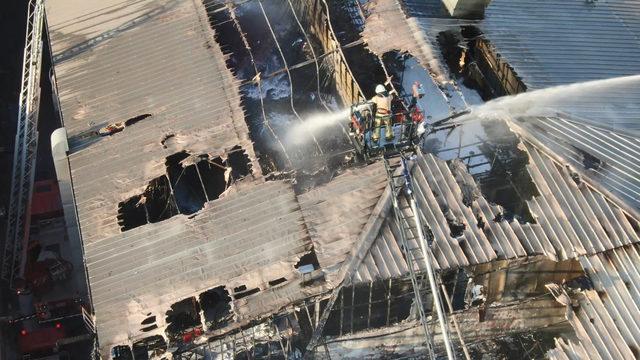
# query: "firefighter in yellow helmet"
[382,99]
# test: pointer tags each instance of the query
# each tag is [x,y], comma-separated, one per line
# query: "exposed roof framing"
[406,35]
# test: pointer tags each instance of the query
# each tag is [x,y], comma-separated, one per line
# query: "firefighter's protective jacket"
[383,104]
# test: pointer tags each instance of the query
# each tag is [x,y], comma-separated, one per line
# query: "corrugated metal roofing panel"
[116,60]
[569,350]
[247,238]
[604,156]
[606,320]
[593,326]
[335,213]
[572,218]
[616,277]
[576,214]
[552,42]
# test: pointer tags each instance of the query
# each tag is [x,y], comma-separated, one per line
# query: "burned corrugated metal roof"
[606,157]
[606,318]
[406,35]
[336,213]
[547,43]
[571,219]
[114,62]
[233,242]
[154,66]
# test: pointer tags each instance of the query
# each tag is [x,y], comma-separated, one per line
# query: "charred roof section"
[152,75]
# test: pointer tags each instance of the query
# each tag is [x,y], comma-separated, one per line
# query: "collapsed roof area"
[186,239]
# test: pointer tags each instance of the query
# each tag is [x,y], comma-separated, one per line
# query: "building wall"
[493,73]
[506,280]
[315,13]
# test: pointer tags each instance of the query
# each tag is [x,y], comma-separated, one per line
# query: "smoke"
[315,125]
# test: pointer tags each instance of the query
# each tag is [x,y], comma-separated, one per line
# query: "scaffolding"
[25,147]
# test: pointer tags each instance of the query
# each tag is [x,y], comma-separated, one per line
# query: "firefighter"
[382,99]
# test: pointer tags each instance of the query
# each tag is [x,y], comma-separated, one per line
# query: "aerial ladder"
[25,147]
[416,246]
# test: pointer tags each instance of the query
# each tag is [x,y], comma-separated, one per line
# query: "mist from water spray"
[316,125]
[613,104]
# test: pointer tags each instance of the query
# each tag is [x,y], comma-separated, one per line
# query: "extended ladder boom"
[410,223]
[25,147]
[397,182]
[414,246]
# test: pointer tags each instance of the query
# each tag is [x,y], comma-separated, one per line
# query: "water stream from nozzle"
[613,104]
[315,125]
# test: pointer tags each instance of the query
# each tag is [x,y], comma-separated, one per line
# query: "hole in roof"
[154,205]
[149,320]
[184,189]
[149,347]
[456,227]
[471,57]
[309,258]
[149,328]
[589,161]
[507,182]
[267,128]
[183,316]
[277,281]
[135,119]
[480,219]
[453,50]
[246,293]
[160,203]
[117,127]
[187,187]
[216,307]
[166,139]
[212,172]
[239,162]
[121,352]
[239,288]
[131,213]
